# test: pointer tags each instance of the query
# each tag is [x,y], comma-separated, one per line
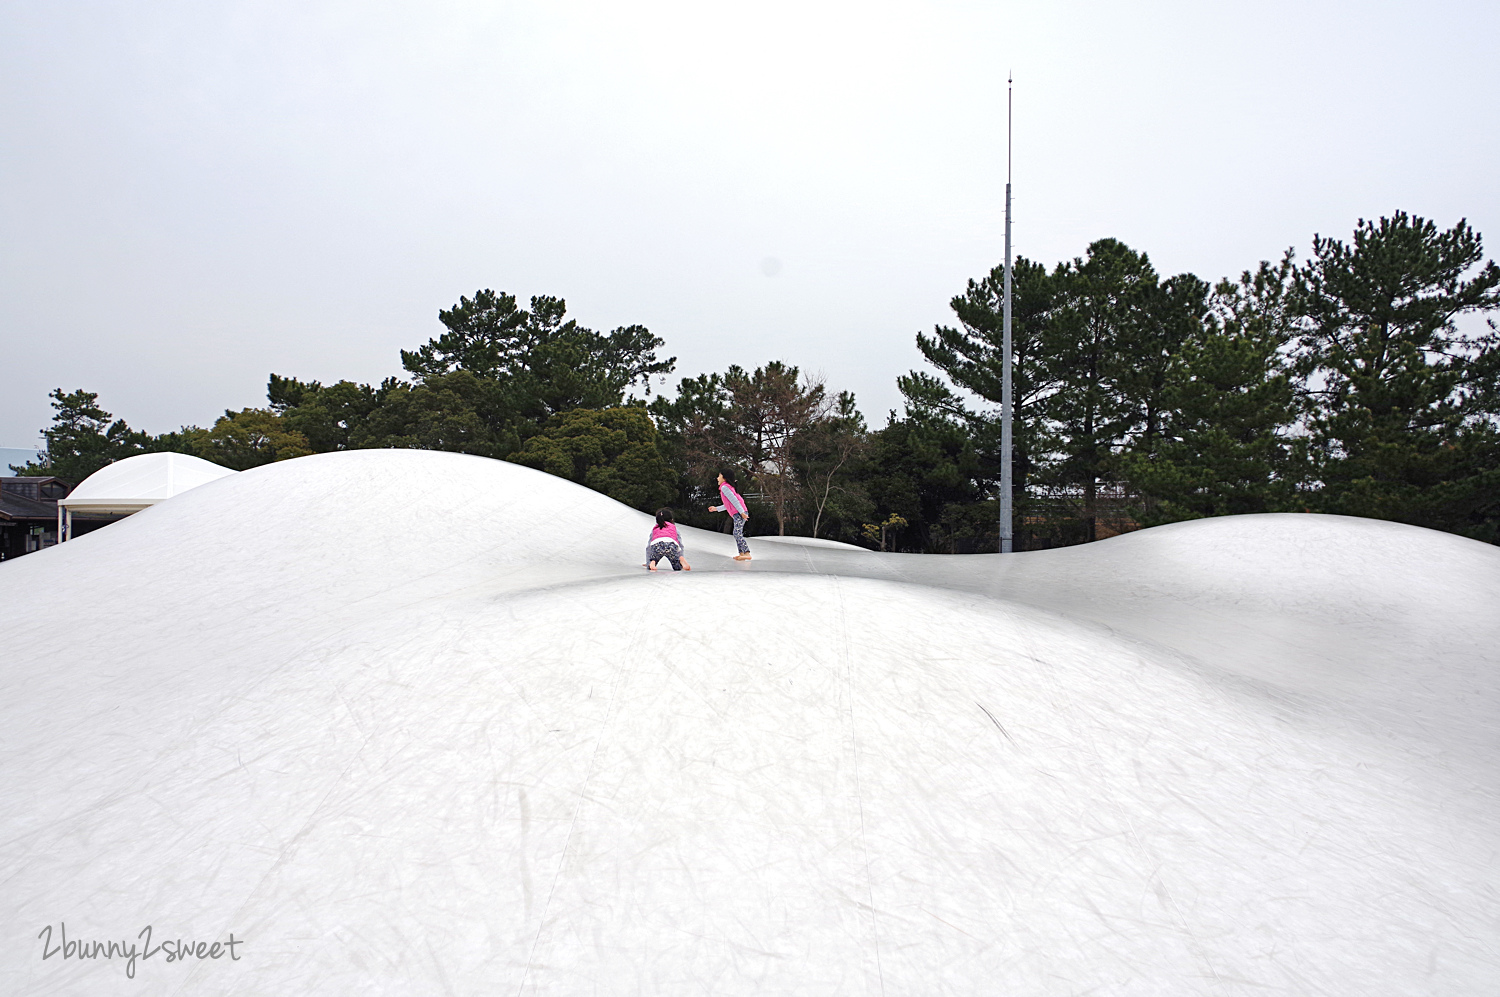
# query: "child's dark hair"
[663,517]
[728,476]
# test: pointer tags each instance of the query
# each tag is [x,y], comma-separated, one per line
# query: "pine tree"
[1226,445]
[971,356]
[1400,401]
[83,438]
[1108,348]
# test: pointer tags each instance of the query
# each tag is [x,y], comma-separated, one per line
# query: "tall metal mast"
[1006,398]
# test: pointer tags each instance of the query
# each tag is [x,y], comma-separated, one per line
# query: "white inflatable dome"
[417,723]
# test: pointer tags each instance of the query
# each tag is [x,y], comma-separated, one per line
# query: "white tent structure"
[298,712]
[135,483]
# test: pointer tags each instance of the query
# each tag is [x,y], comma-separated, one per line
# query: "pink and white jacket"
[733,503]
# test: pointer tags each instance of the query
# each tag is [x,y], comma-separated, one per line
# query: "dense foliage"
[1365,381]
[1399,402]
[610,450]
[1343,385]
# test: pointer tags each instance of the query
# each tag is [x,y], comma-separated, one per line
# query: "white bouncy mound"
[417,723]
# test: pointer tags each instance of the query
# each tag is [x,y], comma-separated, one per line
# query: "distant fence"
[1047,518]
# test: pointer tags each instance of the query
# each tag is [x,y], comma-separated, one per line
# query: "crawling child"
[665,543]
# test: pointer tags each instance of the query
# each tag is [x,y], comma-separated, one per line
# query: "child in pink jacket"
[665,543]
[735,506]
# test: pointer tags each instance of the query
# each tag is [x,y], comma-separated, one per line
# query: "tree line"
[1365,381]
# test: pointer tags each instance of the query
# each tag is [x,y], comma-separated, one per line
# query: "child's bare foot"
[686,566]
[651,566]
[742,557]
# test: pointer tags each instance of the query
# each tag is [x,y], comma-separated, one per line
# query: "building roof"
[27,497]
[139,482]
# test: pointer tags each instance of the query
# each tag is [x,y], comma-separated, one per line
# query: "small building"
[28,514]
[130,485]
[40,512]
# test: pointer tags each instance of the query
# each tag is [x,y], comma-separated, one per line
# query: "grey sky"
[193,195]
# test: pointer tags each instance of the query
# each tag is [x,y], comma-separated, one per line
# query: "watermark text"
[171,949]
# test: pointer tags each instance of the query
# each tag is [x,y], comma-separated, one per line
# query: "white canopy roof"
[138,482]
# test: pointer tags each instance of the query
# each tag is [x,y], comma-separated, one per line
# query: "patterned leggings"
[739,534]
[664,549]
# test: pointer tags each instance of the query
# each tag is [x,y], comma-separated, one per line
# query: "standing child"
[665,543]
[738,511]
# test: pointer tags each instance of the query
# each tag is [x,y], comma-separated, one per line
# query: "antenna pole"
[1007,400]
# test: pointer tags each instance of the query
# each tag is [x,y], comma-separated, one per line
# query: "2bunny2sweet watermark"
[174,949]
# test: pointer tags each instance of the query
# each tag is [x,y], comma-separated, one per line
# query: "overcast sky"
[193,195]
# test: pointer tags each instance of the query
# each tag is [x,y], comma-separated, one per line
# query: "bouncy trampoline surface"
[419,723]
